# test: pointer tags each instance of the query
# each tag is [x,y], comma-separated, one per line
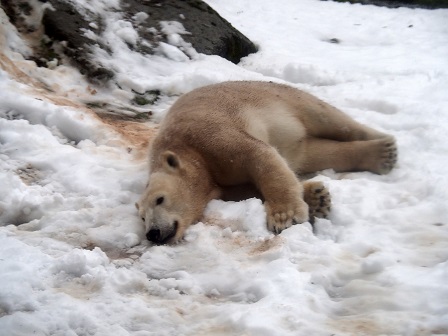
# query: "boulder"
[207,31]
[64,21]
[428,4]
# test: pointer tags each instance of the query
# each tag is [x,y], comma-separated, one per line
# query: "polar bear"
[252,137]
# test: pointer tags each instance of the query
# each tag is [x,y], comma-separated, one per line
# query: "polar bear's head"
[175,198]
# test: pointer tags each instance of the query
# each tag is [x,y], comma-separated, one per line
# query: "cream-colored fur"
[256,134]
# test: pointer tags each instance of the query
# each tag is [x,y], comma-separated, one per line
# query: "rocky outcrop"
[429,4]
[66,23]
[210,34]
[63,21]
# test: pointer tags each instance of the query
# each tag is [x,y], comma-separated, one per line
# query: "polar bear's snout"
[162,234]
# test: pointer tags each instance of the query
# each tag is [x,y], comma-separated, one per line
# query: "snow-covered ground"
[73,258]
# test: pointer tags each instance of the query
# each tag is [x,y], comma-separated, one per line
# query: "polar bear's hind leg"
[377,156]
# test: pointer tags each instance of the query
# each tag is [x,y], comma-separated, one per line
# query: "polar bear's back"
[273,113]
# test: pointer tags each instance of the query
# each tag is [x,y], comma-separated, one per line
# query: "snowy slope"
[73,259]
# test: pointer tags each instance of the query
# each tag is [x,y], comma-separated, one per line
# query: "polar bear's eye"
[159,200]
[143,218]
[172,161]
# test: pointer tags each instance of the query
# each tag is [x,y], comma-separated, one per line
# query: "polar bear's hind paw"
[318,198]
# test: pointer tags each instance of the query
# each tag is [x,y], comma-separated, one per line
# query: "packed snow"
[73,256]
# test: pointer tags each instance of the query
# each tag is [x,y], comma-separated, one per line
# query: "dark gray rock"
[67,24]
[209,32]
[428,4]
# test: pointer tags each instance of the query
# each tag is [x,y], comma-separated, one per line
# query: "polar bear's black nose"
[154,235]
[162,235]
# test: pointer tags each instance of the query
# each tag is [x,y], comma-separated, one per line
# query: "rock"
[65,23]
[210,33]
[68,23]
[207,31]
[429,4]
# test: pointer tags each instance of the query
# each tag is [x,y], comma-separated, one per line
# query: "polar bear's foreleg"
[281,190]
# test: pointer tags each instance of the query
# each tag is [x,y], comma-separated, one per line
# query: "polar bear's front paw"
[318,198]
[282,216]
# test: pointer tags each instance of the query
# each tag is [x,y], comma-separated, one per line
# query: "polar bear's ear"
[171,160]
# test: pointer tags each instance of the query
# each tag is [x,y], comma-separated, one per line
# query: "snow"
[73,257]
